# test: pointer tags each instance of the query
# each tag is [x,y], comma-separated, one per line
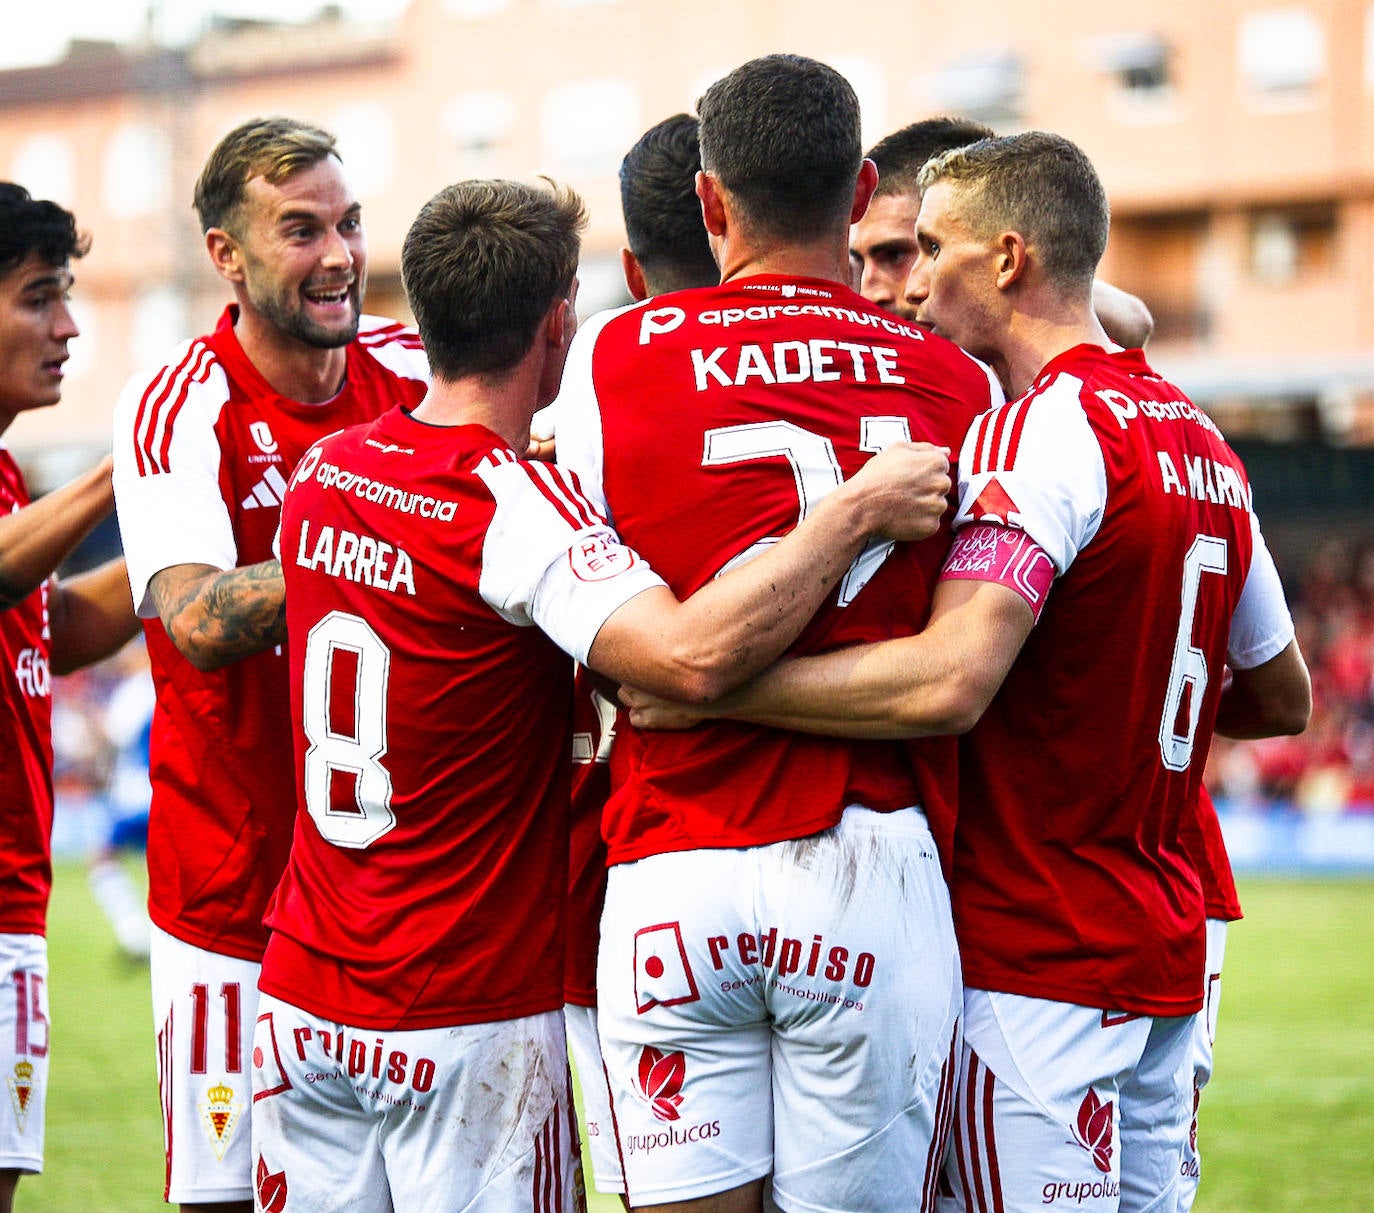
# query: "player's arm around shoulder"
[938,682]
[736,625]
[90,616]
[37,538]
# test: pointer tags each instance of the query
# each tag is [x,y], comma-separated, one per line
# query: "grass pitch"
[1285,1125]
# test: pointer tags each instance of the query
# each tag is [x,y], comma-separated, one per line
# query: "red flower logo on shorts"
[1094,1130]
[271,1188]
[661,1076]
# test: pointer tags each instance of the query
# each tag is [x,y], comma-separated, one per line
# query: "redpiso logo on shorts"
[271,1187]
[1093,1131]
[661,1076]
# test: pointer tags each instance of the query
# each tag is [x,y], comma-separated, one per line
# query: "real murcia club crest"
[21,1091]
[221,1113]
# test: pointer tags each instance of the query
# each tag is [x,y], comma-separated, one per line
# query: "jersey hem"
[207,943]
[408,1022]
[735,842]
[1081,996]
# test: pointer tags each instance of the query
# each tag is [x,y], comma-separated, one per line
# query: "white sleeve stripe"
[158,409]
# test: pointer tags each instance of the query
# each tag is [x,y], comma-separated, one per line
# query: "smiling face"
[953,283]
[35,326]
[884,241]
[303,265]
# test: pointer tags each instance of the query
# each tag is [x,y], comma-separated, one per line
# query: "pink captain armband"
[983,552]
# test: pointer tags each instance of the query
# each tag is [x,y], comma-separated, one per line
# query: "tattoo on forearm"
[235,614]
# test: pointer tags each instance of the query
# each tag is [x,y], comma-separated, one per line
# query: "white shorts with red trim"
[585,1047]
[1204,1037]
[204,1004]
[790,1008]
[476,1117]
[24,1039]
[1068,1107]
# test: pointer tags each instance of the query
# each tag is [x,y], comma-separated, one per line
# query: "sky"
[173,21]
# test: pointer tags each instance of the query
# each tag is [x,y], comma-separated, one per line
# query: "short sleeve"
[1035,465]
[549,559]
[166,471]
[1262,626]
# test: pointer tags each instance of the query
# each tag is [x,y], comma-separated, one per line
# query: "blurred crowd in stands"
[1330,767]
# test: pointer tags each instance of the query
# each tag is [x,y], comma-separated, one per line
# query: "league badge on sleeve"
[663,978]
[594,557]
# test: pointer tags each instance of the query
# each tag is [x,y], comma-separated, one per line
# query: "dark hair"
[30,225]
[662,212]
[482,264]
[781,134]
[271,148]
[900,156]
[1035,183]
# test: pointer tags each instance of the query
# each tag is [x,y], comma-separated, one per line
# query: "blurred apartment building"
[1235,137]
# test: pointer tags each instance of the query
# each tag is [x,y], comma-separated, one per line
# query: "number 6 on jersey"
[343,647]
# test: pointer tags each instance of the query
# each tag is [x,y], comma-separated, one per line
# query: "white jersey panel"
[175,516]
[1261,627]
[1055,488]
[397,356]
[549,560]
[576,413]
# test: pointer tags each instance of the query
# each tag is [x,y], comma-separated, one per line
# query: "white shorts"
[24,1035]
[585,1047]
[476,1118]
[204,1005]
[1068,1107]
[790,1008]
[1204,1036]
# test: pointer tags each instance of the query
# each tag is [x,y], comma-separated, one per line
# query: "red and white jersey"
[429,866]
[1072,881]
[25,744]
[1206,844]
[595,720]
[709,422]
[203,449]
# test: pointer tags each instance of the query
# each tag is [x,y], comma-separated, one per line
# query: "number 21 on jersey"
[815,471]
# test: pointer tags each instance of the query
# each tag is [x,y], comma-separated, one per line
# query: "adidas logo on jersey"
[268,491]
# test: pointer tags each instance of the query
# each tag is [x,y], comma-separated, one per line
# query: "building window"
[157,323]
[1281,52]
[1140,65]
[589,124]
[45,166]
[987,88]
[138,165]
[867,79]
[478,123]
[1288,244]
[471,10]
[367,147]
